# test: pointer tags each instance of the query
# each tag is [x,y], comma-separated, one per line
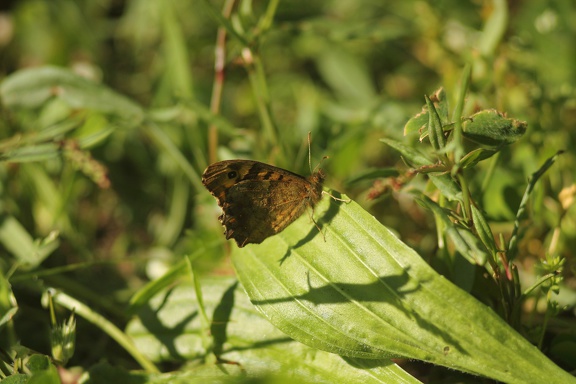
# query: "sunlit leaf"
[355,289]
[170,329]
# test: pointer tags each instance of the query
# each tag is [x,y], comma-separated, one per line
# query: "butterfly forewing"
[259,200]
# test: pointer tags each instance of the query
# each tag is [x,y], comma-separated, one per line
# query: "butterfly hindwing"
[259,200]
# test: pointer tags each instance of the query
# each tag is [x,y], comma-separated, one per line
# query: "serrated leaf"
[357,290]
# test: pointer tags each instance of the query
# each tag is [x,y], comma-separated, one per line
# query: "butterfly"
[259,200]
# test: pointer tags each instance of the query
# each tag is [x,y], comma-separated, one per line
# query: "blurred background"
[349,72]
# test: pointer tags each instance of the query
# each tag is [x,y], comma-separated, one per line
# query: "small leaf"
[443,182]
[420,121]
[414,157]
[474,157]
[463,239]
[491,128]
[447,186]
[483,230]
[417,123]
[43,371]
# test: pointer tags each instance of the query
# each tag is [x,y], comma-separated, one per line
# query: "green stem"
[457,118]
[513,243]
[258,84]
[467,211]
[101,322]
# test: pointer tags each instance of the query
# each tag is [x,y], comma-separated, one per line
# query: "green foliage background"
[100,196]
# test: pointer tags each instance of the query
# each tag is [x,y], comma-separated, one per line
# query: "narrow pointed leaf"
[435,131]
[483,229]
[372,174]
[413,156]
[463,239]
[474,157]
[18,241]
[32,87]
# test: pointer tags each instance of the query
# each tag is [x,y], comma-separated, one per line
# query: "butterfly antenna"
[309,151]
[310,155]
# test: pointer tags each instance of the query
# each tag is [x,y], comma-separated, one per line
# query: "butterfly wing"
[220,176]
[256,210]
[257,199]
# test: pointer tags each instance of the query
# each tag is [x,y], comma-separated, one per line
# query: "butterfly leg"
[336,198]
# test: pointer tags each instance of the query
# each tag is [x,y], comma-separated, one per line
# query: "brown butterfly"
[259,200]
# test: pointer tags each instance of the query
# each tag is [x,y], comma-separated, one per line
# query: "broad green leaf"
[94,130]
[170,328]
[355,289]
[105,373]
[493,129]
